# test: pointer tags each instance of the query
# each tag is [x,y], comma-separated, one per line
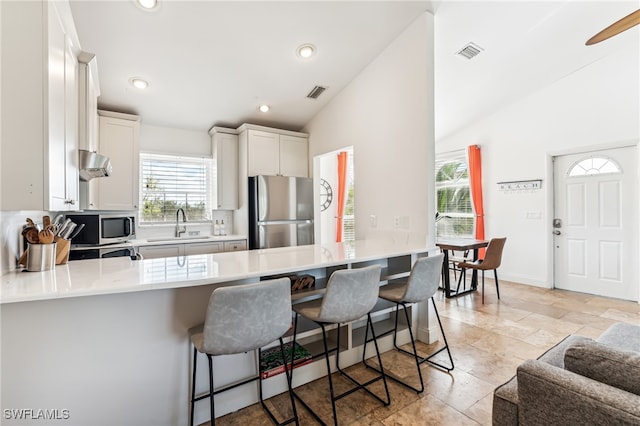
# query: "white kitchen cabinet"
[188,249]
[225,158]
[294,154]
[202,248]
[237,245]
[119,139]
[39,106]
[276,152]
[166,250]
[88,92]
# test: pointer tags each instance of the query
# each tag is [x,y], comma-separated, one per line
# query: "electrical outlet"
[396,221]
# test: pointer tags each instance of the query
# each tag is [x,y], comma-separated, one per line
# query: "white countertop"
[159,241]
[121,274]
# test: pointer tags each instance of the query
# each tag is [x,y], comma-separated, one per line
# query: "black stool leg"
[446,344]
[211,397]
[294,418]
[495,274]
[483,286]
[193,384]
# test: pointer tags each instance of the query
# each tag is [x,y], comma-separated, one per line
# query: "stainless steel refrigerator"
[280,211]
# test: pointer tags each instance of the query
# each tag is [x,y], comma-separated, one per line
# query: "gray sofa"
[579,381]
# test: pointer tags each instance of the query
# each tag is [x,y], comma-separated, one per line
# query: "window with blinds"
[453,196]
[171,182]
[348,218]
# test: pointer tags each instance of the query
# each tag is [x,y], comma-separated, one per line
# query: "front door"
[596,223]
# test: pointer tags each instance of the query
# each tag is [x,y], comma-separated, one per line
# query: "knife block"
[62,250]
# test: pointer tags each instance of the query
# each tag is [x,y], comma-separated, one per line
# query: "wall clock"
[326,195]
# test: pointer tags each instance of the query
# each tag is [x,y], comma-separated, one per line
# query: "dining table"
[459,244]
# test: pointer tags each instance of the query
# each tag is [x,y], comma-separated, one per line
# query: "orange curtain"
[342,189]
[475,183]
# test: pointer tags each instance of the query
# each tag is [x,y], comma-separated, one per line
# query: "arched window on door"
[594,166]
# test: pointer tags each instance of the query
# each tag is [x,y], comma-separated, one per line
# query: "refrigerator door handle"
[283,222]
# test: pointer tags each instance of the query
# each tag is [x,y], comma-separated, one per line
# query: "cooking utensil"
[63,227]
[32,235]
[46,221]
[45,236]
[77,231]
[68,230]
[58,220]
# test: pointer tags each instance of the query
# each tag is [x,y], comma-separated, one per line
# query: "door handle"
[556,232]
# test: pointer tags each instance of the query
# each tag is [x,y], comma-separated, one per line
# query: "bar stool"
[421,285]
[239,319]
[350,295]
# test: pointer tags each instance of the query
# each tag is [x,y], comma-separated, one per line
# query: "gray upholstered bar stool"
[421,285]
[349,296]
[239,319]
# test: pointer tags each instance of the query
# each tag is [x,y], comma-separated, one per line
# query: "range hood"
[93,165]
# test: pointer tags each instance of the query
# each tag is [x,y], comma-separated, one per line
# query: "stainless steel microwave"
[101,229]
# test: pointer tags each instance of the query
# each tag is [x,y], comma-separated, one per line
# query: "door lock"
[556,232]
[557,223]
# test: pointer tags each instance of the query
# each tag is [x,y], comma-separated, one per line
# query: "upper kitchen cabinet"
[225,159]
[39,106]
[119,139]
[275,152]
[88,92]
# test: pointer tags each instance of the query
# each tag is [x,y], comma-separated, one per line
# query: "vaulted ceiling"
[213,62]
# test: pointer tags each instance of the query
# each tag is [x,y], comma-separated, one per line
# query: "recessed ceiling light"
[306,51]
[139,83]
[147,4]
[264,108]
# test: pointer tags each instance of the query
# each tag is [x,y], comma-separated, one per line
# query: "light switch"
[373,221]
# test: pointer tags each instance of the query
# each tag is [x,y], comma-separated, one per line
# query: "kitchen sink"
[175,239]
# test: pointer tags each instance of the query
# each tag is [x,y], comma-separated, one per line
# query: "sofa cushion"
[549,395]
[622,336]
[505,397]
[605,364]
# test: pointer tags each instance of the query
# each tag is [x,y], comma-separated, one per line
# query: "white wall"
[597,106]
[386,114]
[169,140]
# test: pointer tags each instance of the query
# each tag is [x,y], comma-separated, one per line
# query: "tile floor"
[487,341]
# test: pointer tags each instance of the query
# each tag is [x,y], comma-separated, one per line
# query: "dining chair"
[492,260]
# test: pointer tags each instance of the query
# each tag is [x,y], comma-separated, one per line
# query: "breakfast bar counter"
[121,275]
[106,341]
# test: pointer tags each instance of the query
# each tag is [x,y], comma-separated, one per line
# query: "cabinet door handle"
[72,202]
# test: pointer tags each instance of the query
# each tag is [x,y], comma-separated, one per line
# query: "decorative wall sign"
[521,185]
[326,195]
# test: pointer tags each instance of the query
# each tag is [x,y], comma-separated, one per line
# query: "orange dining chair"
[492,260]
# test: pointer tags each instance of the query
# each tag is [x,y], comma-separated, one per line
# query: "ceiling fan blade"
[617,27]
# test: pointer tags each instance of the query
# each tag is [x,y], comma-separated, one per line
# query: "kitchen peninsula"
[108,339]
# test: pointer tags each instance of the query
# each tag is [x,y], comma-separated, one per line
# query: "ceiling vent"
[470,51]
[316,92]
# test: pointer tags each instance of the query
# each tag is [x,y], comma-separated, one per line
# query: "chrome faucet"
[181,229]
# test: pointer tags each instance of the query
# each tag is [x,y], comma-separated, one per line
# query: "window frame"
[452,219]
[207,194]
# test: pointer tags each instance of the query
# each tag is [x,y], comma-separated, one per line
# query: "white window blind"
[171,182]
[453,196]
[348,218]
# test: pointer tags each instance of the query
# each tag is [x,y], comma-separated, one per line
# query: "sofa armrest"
[550,395]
